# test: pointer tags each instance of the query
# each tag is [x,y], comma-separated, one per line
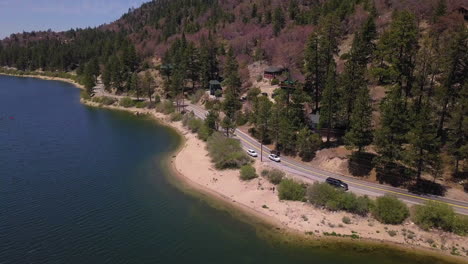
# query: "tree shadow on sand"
[395,174]
[427,187]
[360,164]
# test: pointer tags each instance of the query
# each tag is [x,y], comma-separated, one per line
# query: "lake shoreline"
[256,216]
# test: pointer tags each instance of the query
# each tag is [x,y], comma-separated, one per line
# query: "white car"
[274,157]
[252,153]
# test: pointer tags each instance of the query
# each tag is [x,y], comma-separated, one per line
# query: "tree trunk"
[420,163]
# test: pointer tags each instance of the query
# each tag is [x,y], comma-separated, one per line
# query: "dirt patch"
[332,159]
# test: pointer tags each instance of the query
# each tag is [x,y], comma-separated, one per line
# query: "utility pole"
[261,150]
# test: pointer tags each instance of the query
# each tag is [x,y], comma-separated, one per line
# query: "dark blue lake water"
[86,185]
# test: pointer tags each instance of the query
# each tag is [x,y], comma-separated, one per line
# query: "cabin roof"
[273,69]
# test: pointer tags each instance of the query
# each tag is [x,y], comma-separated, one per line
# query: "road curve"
[355,185]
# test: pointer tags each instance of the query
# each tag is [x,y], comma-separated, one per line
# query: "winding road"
[355,185]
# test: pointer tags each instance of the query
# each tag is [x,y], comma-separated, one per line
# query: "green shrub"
[324,195]
[166,107]
[392,233]
[195,98]
[291,190]
[126,102]
[186,118]
[204,132]
[157,99]
[218,93]
[242,118]
[106,100]
[440,215]
[390,210]
[460,225]
[226,152]
[176,117]
[194,124]
[349,202]
[275,176]
[212,105]
[84,95]
[247,172]
[434,215]
[274,82]
[319,194]
[346,220]
[141,104]
[265,173]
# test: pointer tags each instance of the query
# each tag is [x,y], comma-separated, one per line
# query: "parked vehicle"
[337,183]
[252,153]
[274,157]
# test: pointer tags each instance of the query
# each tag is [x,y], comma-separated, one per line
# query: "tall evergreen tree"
[263,117]
[231,103]
[135,85]
[278,21]
[423,149]
[313,68]
[391,135]
[353,78]
[360,133]
[458,130]
[329,105]
[455,73]
[147,84]
[397,49]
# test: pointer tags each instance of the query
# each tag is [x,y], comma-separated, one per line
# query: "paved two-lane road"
[355,185]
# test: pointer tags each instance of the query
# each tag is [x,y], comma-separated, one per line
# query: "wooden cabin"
[463,10]
[272,72]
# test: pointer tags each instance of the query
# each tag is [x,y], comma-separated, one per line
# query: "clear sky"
[58,15]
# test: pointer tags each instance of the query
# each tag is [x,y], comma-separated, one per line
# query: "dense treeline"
[88,52]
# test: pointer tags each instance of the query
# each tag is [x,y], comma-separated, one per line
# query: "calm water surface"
[86,185]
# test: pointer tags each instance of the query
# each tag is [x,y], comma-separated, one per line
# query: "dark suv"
[337,183]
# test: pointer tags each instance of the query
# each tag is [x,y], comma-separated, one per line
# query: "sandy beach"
[258,197]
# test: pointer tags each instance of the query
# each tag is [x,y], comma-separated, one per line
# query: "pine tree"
[193,64]
[440,10]
[353,78]
[329,105]
[329,32]
[454,74]
[89,79]
[253,13]
[391,135]
[278,21]
[314,73]
[360,133]
[107,76]
[307,143]
[88,82]
[293,9]
[208,62]
[212,120]
[458,130]
[148,85]
[231,73]
[135,85]
[423,149]
[396,49]
[231,105]
[262,118]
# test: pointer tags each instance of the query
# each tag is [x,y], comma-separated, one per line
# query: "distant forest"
[416,50]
